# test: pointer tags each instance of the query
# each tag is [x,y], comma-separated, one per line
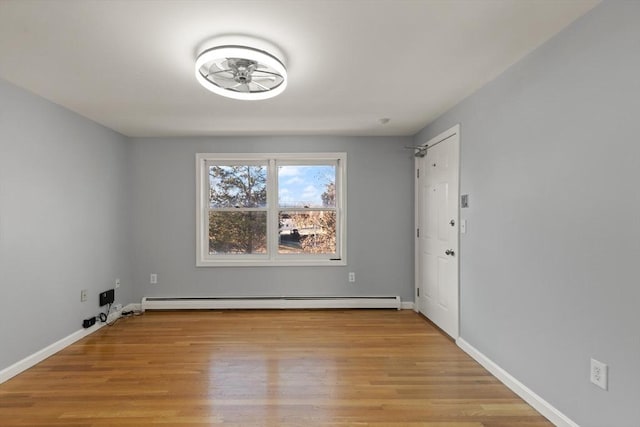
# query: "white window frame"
[272,258]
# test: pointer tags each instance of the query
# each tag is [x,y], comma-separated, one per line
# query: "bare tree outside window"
[238,218]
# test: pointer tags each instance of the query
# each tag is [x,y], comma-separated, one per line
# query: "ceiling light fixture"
[241,72]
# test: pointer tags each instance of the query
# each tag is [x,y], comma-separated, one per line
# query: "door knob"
[449,252]
[452,223]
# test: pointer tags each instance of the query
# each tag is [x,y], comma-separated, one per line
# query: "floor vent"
[209,303]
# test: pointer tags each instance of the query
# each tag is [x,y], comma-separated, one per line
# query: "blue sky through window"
[303,185]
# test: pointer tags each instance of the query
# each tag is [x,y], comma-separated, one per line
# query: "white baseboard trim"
[541,405]
[37,357]
[247,303]
[114,316]
[132,307]
[407,305]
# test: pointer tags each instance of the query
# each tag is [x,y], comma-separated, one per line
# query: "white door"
[437,231]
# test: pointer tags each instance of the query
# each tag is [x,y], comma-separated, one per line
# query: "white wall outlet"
[153,278]
[117,307]
[599,374]
[117,283]
[352,277]
[83,295]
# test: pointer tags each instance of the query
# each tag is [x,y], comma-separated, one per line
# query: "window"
[270,209]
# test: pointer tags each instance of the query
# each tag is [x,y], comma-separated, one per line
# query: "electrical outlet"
[153,278]
[83,295]
[599,374]
[117,283]
[352,277]
[117,307]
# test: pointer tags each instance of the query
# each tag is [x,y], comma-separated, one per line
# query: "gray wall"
[63,221]
[549,266]
[380,218]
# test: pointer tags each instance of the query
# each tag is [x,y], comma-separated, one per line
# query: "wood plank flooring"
[264,368]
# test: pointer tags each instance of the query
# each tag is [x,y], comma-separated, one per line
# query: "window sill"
[273,263]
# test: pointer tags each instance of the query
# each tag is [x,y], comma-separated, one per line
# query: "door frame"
[454,130]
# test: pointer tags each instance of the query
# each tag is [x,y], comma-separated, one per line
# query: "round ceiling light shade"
[241,72]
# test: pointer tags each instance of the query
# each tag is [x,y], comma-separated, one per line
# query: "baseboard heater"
[210,303]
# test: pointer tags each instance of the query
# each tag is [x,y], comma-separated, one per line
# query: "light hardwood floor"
[264,368]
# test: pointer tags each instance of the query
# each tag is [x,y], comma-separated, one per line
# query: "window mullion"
[339,211]
[238,209]
[272,205]
[319,209]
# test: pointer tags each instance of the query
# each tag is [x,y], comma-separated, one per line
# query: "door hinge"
[417,232]
[417,173]
[418,292]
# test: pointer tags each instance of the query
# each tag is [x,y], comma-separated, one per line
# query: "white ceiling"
[129,64]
